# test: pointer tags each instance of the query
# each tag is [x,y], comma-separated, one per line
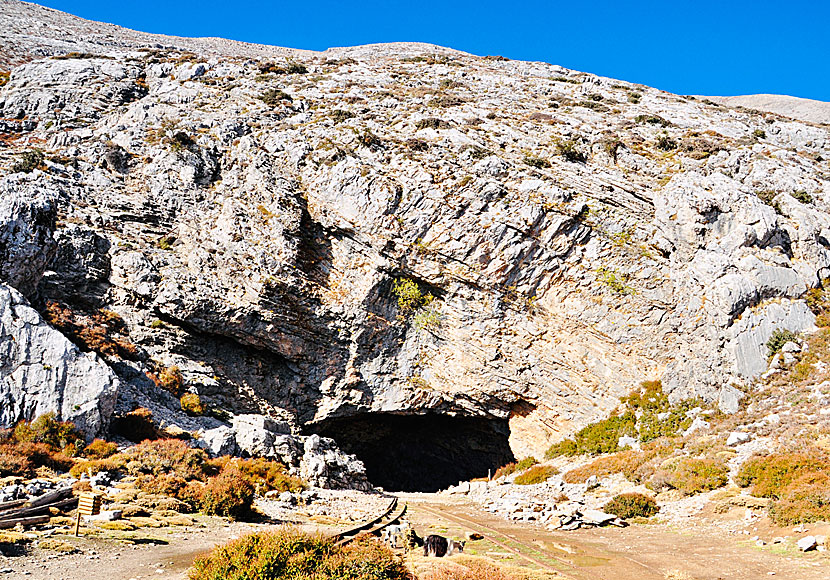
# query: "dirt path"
[640,552]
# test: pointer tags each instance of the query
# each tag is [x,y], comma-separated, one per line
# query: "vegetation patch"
[28,161]
[615,281]
[797,482]
[779,338]
[536,474]
[102,331]
[536,162]
[273,97]
[289,554]
[570,150]
[514,467]
[631,505]
[432,123]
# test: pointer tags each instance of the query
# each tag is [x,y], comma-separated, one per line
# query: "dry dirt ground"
[639,552]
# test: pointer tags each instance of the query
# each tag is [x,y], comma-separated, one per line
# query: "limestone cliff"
[403,229]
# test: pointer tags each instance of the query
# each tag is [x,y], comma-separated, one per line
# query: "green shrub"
[4,77]
[340,115]
[652,120]
[192,404]
[570,150]
[536,474]
[779,338]
[631,505]
[432,123]
[290,67]
[28,161]
[615,281]
[759,134]
[289,554]
[536,162]
[596,438]
[767,196]
[410,297]
[58,436]
[666,143]
[273,97]
[802,196]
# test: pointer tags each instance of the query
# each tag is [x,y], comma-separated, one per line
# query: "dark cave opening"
[421,452]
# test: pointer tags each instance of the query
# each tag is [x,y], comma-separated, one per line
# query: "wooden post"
[78,523]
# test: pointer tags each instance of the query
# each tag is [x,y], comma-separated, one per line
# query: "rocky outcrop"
[316,459]
[42,372]
[27,220]
[409,230]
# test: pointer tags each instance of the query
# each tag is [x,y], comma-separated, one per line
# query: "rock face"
[27,220]
[42,372]
[406,229]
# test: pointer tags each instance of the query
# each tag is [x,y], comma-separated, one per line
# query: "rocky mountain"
[365,241]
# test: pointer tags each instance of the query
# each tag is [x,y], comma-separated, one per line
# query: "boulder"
[324,465]
[807,543]
[597,518]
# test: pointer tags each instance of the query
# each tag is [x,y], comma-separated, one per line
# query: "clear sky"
[712,47]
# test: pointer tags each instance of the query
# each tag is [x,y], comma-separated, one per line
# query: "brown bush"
[798,483]
[697,474]
[631,505]
[100,449]
[164,457]
[229,494]
[292,555]
[512,468]
[24,459]
[100,331]
[536,474]
[168,378]
[116,463]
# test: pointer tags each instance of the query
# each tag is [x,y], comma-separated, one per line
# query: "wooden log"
[50,497]
[7,505]
[5,524]
[32,511]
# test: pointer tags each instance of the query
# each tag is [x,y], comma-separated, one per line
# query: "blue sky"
[683,46]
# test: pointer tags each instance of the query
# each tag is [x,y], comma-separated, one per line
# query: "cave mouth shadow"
[423,453]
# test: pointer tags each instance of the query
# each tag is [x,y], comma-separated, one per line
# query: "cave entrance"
[421,452]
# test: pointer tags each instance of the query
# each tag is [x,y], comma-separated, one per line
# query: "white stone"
[736,438]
